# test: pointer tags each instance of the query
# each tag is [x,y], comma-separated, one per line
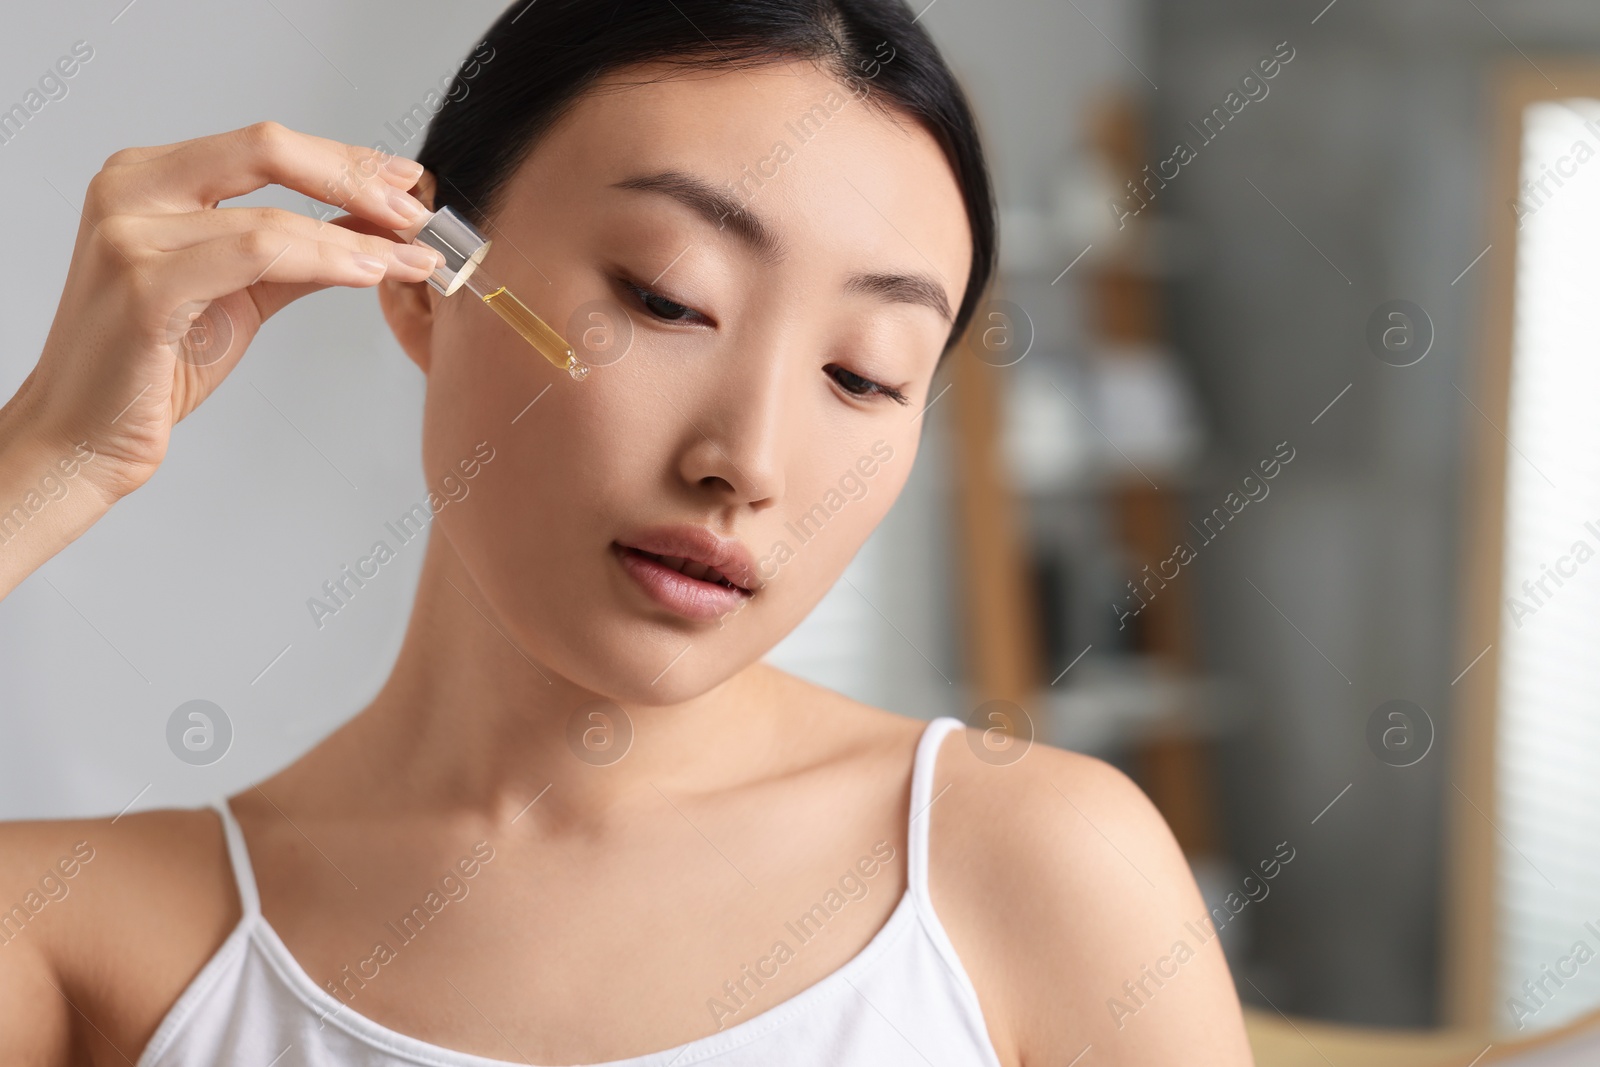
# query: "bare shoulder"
[1074,911]
[105,920]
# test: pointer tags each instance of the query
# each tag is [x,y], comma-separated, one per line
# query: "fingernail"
[401,167]
[417,256]
[407,206]
[370,264]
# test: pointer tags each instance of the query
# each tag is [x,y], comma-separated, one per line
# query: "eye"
[660,306]
[856,385]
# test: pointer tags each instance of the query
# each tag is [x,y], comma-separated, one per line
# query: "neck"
[470,719]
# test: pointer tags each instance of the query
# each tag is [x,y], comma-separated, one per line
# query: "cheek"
[565,454]
[574,464]
[833,507]
[552,436]
[814,552]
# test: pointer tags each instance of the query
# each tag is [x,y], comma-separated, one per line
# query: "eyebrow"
[715,206]
[902,289]
[723,211]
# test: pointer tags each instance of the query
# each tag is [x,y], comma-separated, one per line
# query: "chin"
[631,660]
[638,677]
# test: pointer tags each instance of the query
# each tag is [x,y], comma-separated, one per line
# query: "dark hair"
[541,55]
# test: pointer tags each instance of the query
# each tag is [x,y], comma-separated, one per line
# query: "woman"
[582,822]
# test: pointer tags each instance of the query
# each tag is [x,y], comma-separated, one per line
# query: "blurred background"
[1246,479]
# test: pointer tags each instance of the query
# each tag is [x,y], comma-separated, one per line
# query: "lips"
[689,569]
[692,568]
[697,552]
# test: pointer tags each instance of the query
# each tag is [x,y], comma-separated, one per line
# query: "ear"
[409,306]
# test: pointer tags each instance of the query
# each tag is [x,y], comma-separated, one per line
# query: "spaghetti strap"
[922,799]
[243,874]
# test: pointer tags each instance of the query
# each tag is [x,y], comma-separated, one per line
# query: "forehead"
[834,174]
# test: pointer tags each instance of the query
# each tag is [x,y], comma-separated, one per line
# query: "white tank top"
[903,999]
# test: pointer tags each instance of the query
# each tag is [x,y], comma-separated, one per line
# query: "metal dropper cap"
[462,246]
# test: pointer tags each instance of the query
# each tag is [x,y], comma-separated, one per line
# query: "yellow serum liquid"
[533,329]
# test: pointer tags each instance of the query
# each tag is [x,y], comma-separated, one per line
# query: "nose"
[739,429]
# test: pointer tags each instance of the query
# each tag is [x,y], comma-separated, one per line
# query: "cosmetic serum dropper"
[463,248]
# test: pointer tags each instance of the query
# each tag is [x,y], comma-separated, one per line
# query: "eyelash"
[645,296]
[872,387]
[866,386]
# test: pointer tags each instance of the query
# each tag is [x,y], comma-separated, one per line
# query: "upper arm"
[1077,915]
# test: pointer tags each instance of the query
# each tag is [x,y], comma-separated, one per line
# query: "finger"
[211,169]
[225,265]
[123,157]
[357,224]
[272,298]
[393,168]
[169,233]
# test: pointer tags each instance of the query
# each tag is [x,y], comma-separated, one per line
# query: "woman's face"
[787,259]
